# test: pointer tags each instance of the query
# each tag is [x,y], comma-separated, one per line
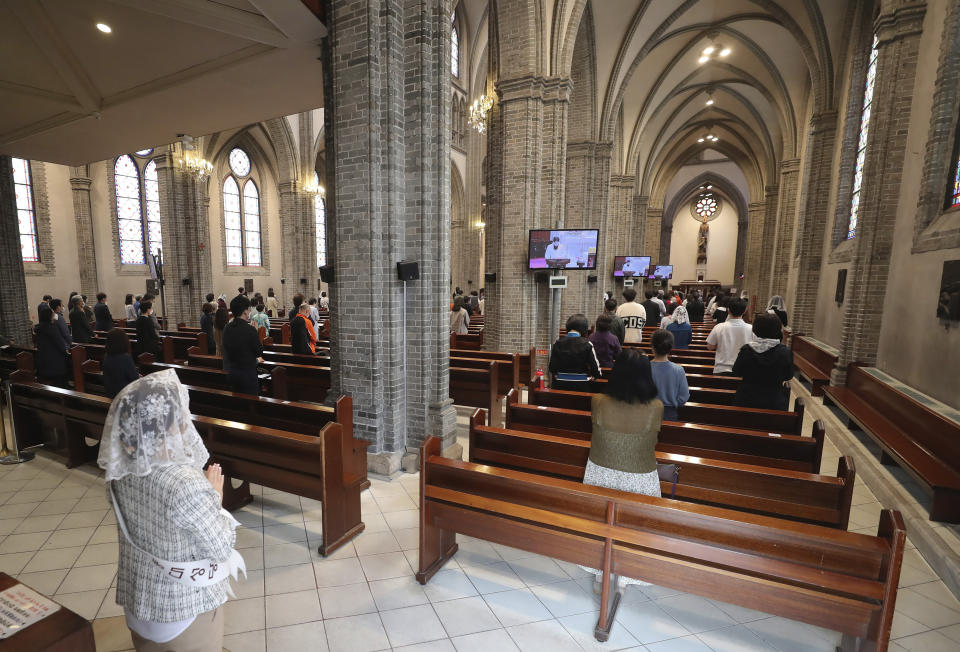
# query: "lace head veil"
[149,426]
[680,315]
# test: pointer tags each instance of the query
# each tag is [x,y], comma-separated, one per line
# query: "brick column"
[184,218]
[899,33]
[83,221]
[813,220]
[14,306]
[637,226]
[786,218]
[525,190]
[387,89]
[651,230]
[621,222]
[765,259]
[299,244]
[756,212]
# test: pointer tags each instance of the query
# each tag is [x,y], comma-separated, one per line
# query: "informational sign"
[20,607]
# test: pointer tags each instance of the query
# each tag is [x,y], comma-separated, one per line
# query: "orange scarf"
[312,334]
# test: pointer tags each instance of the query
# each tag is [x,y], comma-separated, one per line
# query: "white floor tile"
[375,543]
[69,538]
[306,636]
[362,633]
[349,600]
[466,616]
[443,645]
[449,584]
[538,570]
[489,578]
[792,636]
[45,582]
[286,554]
[54,559]
[338,571]
[581,628]
[649,623]
[517,607]
[89,578]
[382,567]
[29,542]
[543,636]
[288,579]
[494,640]
[412,625]
[84,603]
[398,592]
[932,641]
[565,598]
[293,608]
[683,644]
[250,586]
[247,642]
[738,638]
[100,553]
[244,615]
[924,610]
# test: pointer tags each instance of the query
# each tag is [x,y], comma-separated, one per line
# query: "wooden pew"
[717,415]
[508,372]
[322,466]
[13,358]
[478,387]
[812,362]
[807,497]
[527,361]
[919,440]
[274,384]
[723,443]
[842,581]
[199,357]
[472,342]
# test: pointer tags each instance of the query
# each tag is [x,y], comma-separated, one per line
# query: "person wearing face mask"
[242,350]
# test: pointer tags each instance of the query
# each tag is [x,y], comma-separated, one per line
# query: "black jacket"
[763,377]
[104,319]
[51,353]
[241,346]
[574,355]
[118,372]
[653,312]
[206,325]
[695,310]
[148,339]
[299,337]
[82,333]
[782,314]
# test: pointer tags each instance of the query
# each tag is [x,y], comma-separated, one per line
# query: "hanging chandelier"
[194,165]
[479,111]
[313,187]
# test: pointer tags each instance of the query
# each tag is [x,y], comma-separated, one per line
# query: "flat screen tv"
[563,249]
[661,271]
[631,266]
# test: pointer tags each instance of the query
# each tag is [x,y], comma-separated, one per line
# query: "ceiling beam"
[62,100]
[50,42]
[216,17]
[292,17]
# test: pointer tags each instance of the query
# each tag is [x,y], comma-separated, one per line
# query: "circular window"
[706,206]
[239,162]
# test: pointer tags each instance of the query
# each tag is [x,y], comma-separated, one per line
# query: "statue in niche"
[702,236]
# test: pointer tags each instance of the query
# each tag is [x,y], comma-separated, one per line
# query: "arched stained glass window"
[862,140]
[454,48]
[129,211]
[26,217]
[320,220]
[151,199]
[241,214]
[955,193]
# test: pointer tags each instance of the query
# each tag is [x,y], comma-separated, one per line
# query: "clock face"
[706,206]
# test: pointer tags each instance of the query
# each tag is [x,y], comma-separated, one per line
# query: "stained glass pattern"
[129,211]
[151,200]
[455,50]
[862,140]
[706,206]
[26,217]
[320,219]
[251,223]
[233,233]
[955,197]
[239,162]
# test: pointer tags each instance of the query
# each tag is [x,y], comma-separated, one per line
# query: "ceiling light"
[709,187]
[710,102]
[699,140]
[703,59]
[724,52]
[709,50]
[103,27]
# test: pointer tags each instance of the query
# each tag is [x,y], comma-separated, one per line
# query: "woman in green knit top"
[626,422]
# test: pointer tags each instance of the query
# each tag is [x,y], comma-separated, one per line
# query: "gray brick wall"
[14,309]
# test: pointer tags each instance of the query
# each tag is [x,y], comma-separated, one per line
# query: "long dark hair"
[631,380]
[220,319]
[117,342]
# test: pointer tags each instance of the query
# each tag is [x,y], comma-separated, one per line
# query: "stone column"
[620,218]
[184,218]
[14,307]
[83,221]
[786,217]
[651,228]
[387,89]
[637,227]
[299,244]
[767,242]
[899,32]
[754,248]
[813,219]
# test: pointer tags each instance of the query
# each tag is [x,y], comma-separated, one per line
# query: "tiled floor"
[58,535]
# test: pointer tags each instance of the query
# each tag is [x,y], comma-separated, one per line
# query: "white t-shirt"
[659,302]
[729,337]
[634,317]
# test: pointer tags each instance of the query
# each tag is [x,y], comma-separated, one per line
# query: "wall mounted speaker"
[185,281]
[326,273]
[490,277]
[592,278]
[408,270]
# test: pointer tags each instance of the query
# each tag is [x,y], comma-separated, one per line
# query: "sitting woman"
[176,542]
[626,422]
[118,367]
[680,328]
[766,366]
[573,361]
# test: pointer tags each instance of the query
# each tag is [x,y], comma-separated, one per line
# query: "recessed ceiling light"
[724,52]
[709,187]
[709,50]
[699,140]
[710,102]
[103,27]
[703,59]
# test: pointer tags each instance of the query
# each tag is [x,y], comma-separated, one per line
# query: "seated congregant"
[573,360]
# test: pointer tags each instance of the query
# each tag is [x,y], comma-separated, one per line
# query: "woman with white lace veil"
[776,307]
[176,541]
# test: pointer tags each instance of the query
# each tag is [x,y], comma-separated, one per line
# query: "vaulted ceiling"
[70,93]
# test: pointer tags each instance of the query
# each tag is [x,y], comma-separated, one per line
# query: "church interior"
[399,222]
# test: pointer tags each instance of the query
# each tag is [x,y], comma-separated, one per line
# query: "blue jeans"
[670,413]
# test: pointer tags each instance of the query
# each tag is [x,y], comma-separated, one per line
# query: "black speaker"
[152,286]
[408,270]
[303,281]
[185,281]
[490,277]
[592,278]
[326,273]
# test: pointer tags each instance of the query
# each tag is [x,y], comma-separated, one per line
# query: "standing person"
[118,367]
[314,311]
[303,338]
[51,359]
[634,316]
[45,302]
[297,300]
[720,310]
[220,319]
[616,326]
[668,318]
[474,302]
[206,325]
[695,308]
[136,305]
[101,311]
[573,361]
[605,343]
[458,318]
[260,319]
[776,307]
[482,303]
[766,366]
[626,424]
[169,518]
[273,306]
[680,328]
[242,349]
[658,299]
[148,335]
[212,300]
[241,292]
[712,303]
[727,337]
[130,313]
[88,310]
[80,327]
[60,321]
[652,308]
[324,302]
[669,377]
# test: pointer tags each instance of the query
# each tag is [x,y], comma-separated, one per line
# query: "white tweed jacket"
[173,513]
